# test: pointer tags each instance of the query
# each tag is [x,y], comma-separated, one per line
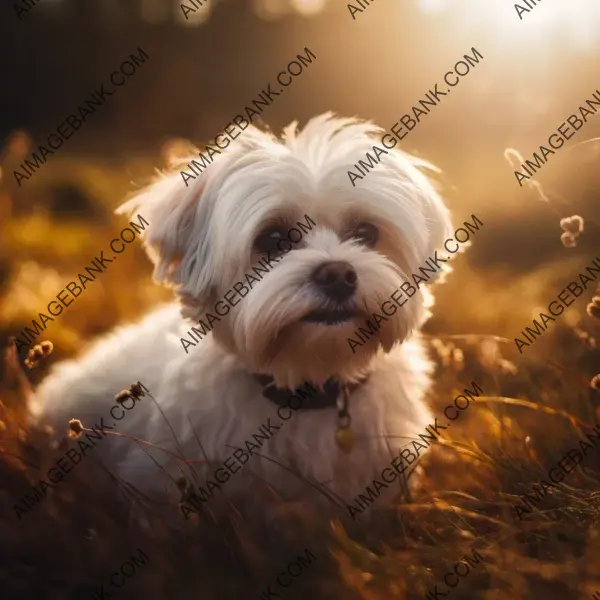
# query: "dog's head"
[311,256]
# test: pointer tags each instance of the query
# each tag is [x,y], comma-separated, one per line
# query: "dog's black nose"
[337,279]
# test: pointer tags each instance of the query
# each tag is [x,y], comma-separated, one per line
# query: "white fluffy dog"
[293,326]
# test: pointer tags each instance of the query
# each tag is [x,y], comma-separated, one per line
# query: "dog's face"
[352,247]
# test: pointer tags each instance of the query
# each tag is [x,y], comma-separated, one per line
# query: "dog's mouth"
[331,316]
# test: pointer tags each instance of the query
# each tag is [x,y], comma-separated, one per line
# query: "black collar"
[325,397]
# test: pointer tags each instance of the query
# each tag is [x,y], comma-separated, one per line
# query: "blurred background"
[535,72]
[203,70]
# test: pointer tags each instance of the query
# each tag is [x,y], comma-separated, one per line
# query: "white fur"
[201,240]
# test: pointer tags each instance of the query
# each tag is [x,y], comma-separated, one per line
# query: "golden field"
[535,407]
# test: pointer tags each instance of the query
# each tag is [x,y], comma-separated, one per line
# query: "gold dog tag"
[345,438]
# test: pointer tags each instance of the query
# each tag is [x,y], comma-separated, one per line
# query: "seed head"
[37,353]
[47,347]
[593,308]
[76,427]
[573,224]
[122,396]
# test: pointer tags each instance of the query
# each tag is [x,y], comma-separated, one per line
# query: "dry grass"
[534,408]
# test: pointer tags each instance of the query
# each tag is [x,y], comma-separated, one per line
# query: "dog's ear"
[177,237]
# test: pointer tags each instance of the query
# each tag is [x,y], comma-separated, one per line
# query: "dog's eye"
[267,241]
[366,234]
